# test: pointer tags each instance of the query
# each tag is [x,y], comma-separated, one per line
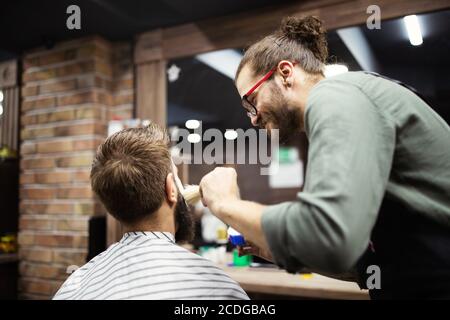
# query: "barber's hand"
[250,248]
[218,186]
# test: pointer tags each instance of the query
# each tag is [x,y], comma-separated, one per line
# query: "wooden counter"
[279,282]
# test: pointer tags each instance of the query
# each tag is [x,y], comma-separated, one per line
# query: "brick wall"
[69,93]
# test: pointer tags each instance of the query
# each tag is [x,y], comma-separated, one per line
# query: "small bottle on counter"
[235,237]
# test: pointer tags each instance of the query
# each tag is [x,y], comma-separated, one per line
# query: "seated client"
[133,175]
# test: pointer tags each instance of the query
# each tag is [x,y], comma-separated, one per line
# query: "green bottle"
[243,261]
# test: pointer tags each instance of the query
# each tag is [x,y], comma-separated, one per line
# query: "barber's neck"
[305,83]
[162,220]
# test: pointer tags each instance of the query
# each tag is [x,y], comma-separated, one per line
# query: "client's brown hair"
[129,172]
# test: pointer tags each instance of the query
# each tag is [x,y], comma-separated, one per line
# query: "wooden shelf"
[8,257]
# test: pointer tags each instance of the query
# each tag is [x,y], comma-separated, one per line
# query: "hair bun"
[309,32]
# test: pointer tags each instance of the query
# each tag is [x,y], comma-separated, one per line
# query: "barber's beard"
[185,222]
[279,114]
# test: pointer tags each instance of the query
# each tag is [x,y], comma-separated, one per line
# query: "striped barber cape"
[149,265]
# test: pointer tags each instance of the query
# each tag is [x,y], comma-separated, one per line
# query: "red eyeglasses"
[250,107]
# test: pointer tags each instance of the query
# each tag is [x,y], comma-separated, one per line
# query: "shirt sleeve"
[327,228]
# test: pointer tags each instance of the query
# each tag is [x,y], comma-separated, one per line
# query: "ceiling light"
[334,69]
[1,109]
[413,29]
[1,96]
[192,124]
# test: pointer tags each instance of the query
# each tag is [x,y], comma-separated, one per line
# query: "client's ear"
[171,189]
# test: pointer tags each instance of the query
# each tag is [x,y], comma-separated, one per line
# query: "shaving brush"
[191,193]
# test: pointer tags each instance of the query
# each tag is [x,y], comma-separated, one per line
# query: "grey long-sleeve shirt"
[368,137]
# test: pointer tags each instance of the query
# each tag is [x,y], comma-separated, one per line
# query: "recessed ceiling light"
[413,29]
[1,109]
[1,96]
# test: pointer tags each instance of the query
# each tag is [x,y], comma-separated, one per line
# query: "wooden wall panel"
[8,74]
[151,92]
[9,119]
[148,47]
[239,30]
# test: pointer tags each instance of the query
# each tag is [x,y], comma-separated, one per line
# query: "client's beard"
[184,219]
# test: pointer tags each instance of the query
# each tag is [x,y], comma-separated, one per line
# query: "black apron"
[412,252]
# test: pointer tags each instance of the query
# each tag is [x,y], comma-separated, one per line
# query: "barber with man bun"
[377,185]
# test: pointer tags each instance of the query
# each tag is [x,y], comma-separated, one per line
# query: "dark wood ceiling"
[26,24]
